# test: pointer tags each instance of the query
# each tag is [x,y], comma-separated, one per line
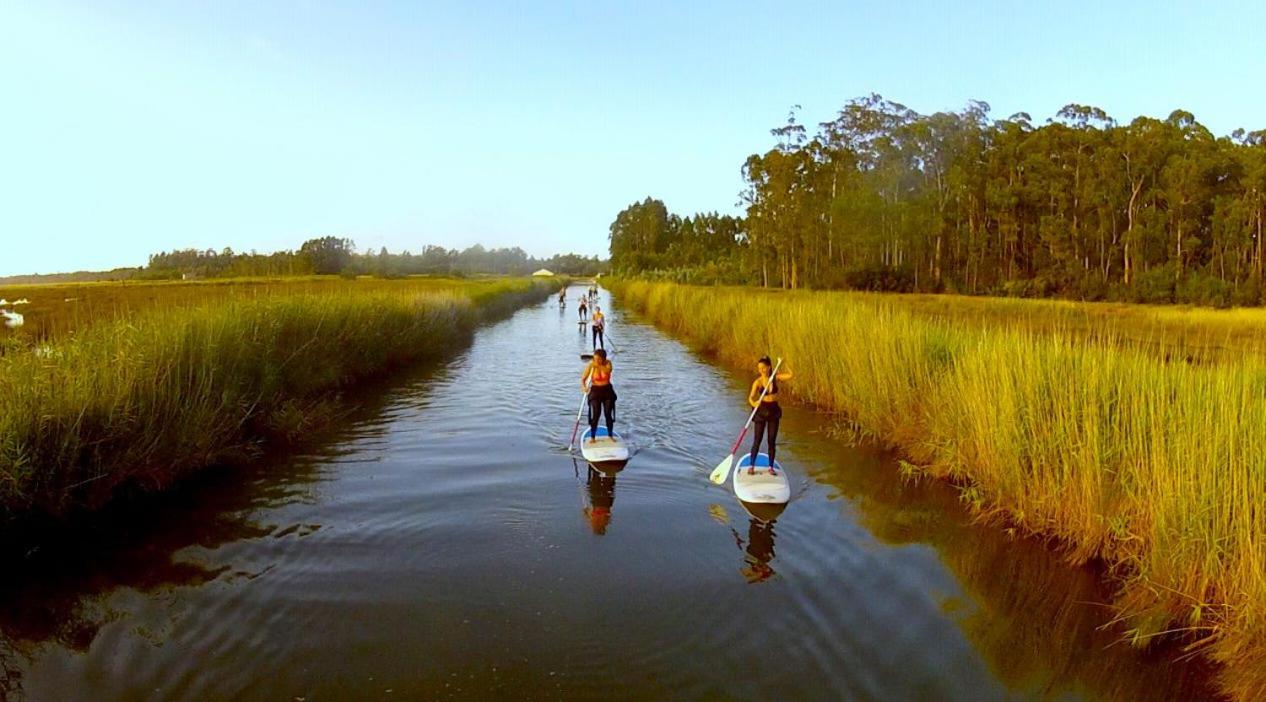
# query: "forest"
[335,255]
[884,198]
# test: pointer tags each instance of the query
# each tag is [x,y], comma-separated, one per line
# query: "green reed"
[141,402]
[1155,466]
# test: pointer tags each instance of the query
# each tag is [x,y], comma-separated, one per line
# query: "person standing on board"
[562,297]
[584,308]
[768,411]
[596,381]
[599,325]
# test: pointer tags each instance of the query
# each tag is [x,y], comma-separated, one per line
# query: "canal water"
[443,544]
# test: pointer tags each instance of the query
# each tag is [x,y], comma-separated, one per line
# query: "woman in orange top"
[601,395]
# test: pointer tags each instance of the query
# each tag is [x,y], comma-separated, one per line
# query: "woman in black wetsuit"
[768,411]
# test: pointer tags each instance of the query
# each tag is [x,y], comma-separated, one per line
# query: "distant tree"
[886,198]
[329,254]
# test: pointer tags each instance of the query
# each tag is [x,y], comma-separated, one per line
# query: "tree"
[328,254]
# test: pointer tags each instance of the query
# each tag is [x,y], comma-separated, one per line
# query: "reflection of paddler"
[601,490]
[759,551]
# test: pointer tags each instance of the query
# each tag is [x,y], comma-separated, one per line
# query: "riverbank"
[137,402]
[1120,453]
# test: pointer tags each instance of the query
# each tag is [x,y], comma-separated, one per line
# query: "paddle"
[722,471]
[571,444]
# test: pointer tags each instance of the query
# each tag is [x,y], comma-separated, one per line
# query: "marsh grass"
[143,399]
[56,311]
[1152,464]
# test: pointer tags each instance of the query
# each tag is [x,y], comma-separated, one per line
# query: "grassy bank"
[140,400]
[1154,465]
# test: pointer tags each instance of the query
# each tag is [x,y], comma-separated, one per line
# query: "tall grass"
[143,401]
[1156,467]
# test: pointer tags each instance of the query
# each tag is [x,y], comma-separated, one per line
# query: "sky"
[130,128]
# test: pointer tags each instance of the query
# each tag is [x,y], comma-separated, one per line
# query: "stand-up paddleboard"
[763,487]
[609,448]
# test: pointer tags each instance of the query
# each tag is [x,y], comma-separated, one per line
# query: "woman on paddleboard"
[599,325]
[596,380]
[768,411]
[584,308]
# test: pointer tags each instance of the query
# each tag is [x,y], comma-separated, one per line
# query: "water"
[444,545]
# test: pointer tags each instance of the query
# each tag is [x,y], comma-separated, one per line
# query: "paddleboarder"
[599,325]
[596,381]
[584,308]
[768,411]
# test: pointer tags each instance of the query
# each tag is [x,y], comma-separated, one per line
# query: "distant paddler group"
[758,477]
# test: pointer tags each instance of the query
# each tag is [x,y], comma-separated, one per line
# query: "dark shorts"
[602,392]
[768,411]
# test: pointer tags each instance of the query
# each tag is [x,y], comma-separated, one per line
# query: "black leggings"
[598,340]
[584,311]
[767,416]
[601,400]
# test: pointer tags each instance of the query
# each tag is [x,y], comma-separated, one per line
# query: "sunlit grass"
[53,311]
[1154,464]
[144,398]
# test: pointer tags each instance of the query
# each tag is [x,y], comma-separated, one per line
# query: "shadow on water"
[1041,625]
[57,582]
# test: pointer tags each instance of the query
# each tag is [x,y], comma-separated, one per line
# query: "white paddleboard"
[763,487]
[607,449]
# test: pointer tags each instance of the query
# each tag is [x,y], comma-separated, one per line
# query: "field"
[55,311]
[135,385]
[1135,436]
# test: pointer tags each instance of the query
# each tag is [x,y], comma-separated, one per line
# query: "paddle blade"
[722,471]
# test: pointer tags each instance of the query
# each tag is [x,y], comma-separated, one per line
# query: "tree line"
[882,197]
[335,255]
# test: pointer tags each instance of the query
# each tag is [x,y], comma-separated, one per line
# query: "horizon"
[152,129]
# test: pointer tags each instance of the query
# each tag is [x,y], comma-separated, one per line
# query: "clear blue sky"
[128,128]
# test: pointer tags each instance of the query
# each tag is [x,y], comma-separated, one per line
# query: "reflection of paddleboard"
[761,488]
[607,449]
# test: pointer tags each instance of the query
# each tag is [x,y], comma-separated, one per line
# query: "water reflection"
[758,552]
[599,495]
[62,595]
[1040,623]
[757,547]
[61,582]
